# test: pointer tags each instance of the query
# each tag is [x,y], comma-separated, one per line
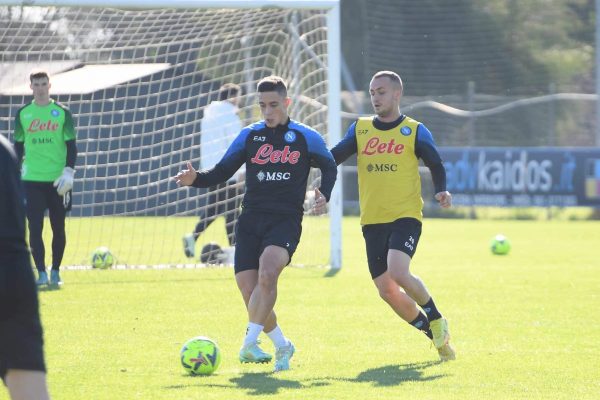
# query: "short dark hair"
[38,75]
[394,77]
[228,91]
[272,84]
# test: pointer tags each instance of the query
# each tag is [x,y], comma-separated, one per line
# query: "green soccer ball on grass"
[200,356]
[500,245]
[102,258]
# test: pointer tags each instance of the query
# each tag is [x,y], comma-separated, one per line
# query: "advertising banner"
[523,177]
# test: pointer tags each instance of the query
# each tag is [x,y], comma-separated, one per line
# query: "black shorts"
[402,234]
[21,342]
[257,230]
[43,196]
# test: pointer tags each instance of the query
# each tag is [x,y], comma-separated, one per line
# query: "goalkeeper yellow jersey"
[389,184]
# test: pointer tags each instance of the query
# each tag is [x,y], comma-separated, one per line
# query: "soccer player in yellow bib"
[388,147]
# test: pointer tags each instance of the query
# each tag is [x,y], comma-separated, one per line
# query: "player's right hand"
[320,205]
[186,177]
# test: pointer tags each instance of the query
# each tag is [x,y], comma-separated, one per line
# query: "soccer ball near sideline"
[500,245]
[102,258]
[200,356]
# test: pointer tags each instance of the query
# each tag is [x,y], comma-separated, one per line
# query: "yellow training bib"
[389,184]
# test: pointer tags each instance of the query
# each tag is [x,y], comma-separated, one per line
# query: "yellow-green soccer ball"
[200,356]
[102,258]
[500,245]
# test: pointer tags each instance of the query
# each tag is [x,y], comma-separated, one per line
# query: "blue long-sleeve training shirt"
[278,162]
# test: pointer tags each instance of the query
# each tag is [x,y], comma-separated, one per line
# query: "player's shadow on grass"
[48,288]
[264,383]
[255,383]
[332,272]
[391,375]
[269,383]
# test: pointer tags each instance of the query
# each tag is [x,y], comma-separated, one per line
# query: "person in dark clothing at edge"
[22,366]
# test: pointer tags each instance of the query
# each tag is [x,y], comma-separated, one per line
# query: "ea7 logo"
[259,138]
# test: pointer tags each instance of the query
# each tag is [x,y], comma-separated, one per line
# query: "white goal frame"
[333,70]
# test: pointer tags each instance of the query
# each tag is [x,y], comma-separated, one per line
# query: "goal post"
[138,76]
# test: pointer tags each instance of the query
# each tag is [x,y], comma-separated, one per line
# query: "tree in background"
[506,47]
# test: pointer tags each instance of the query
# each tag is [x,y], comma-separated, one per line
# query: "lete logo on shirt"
[373,146]
[37,126]
[266,154]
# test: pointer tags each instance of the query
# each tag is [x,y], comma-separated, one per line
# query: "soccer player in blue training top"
[388,147]
[278,153]
[22,364]
[45,137]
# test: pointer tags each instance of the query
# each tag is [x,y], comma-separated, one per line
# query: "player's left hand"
[320,206]
[444,198]
[186,177]
[64,183]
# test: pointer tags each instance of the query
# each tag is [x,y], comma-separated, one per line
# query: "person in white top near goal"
[220,126]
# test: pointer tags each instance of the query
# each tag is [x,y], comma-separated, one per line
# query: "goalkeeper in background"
[45,144]
[220,125]
[22,364]
[388,147]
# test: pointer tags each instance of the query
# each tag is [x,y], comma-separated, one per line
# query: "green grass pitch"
[525,325]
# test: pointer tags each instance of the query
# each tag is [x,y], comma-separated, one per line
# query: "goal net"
[137,82]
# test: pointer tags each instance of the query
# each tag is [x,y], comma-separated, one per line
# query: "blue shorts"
[402,234]
[257,230]
[21,342]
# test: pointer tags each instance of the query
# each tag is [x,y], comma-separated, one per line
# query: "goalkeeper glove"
[65,182]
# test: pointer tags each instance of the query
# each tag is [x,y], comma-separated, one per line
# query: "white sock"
[276,336]
[252,332]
